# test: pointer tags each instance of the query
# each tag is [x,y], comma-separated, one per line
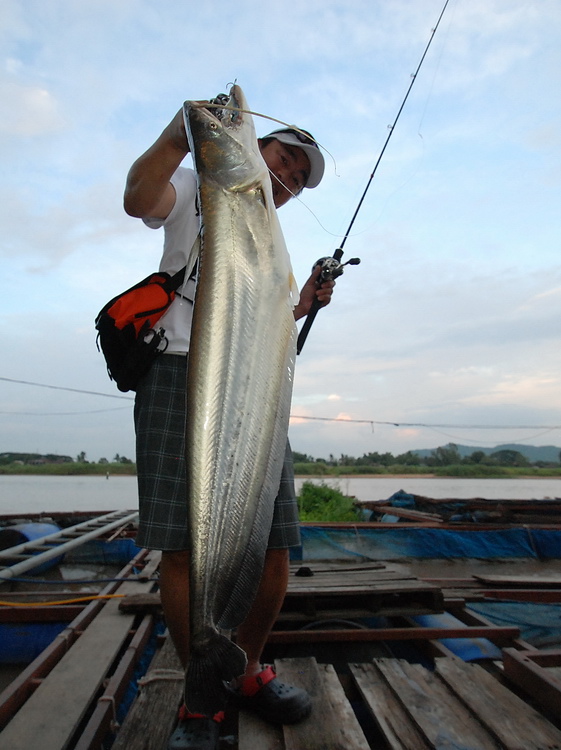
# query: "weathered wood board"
[152,717]
[457,705]
[332,723]
[53,712]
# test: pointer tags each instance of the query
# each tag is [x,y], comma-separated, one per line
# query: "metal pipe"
[33,561]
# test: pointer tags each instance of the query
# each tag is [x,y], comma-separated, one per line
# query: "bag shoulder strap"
[175,281]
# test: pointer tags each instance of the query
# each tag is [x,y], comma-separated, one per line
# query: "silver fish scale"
[241,365]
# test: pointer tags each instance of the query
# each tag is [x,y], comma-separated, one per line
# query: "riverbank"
[306,471]
[40,493]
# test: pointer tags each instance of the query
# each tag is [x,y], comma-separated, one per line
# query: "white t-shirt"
[181,229]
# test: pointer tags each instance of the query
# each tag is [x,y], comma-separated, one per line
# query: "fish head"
[223,142]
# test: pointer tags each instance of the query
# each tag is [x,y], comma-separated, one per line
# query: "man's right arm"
[148,192]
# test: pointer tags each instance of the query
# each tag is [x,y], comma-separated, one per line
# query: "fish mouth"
[225,110]
[232,113]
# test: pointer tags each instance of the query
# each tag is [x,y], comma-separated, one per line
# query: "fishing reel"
[332,268]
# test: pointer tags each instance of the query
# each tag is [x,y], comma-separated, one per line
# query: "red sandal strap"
[252,684]
[185,714]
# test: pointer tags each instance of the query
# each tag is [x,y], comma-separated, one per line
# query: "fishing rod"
[332,268]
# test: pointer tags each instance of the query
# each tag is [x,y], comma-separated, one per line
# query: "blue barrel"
[468,649]
[20,643]
[11,536]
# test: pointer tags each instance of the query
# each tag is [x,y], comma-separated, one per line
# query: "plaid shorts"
[159,416]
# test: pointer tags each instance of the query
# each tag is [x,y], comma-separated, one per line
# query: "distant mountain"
[533,453]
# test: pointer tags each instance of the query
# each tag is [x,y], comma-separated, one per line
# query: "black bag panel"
[128,356]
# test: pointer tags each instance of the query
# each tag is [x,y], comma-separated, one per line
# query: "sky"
[448,330]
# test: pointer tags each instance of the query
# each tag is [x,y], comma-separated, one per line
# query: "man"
[163,193]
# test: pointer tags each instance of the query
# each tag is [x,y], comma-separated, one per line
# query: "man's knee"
[276,563]
[277,556]
[175,562]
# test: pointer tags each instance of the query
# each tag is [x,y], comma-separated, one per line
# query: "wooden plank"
[100,721]
[152,717]
[549,658]
[151,567]
[54,613]
[387,711]
[524,581]
[349,612]
[343,588]
[326,565]
[514,723]
[415,515]
[254,733]
[390,588]
[500,635]
[336,579]
[58,705]
[529,670]
[443,720]
[392,595]
[332,723]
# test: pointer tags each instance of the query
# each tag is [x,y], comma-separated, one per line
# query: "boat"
[392,655]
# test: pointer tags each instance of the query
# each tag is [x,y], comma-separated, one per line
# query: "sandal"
[271,699]
[195,731]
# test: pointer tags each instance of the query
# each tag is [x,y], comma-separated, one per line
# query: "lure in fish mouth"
[223,141]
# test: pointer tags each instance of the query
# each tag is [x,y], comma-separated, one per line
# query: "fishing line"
[333,265]
[392,126]
[218,105]
[437,68]
[297,196]
[213,105]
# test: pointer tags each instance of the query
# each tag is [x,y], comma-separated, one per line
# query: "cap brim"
[315,157]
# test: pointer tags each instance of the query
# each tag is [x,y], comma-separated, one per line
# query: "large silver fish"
[239,387]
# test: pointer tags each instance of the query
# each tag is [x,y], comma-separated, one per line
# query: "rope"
[159,675]
[62,601]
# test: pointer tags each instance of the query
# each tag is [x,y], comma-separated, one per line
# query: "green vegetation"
[320,503]
[444,461]
[70,469]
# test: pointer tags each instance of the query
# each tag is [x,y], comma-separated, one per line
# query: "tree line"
[447,455]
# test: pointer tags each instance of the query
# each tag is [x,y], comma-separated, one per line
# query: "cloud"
[28,111]
[452,316]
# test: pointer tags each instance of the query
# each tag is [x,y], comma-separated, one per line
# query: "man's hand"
[313,290]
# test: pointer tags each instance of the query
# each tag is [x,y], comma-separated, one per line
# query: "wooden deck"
[404,706]
[321,591]
[363,589]
[70,702]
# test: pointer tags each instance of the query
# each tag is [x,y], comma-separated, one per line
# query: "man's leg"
[252,634]
[259,689]
[174,592]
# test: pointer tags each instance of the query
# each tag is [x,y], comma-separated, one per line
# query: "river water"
[34,494]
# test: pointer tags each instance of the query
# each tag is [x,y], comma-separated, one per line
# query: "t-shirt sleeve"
[185,185]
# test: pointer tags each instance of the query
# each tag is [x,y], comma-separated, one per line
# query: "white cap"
[302,139]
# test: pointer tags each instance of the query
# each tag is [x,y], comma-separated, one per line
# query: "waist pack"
[127,333]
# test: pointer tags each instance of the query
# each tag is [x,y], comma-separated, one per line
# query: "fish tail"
[211,664]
